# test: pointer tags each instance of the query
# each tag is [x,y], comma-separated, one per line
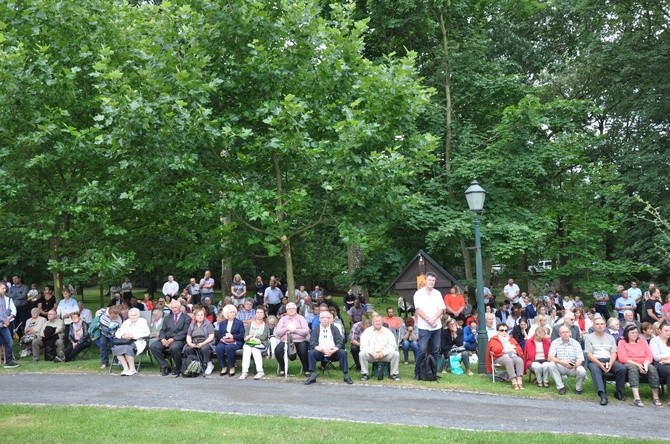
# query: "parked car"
[541,266]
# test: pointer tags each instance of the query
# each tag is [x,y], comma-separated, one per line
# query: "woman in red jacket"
[506,352]
[535,357]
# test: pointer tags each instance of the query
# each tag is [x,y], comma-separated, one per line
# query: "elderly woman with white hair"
[130,341]
[231,339]
[296,325]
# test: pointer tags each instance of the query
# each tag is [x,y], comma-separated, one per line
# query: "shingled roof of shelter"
[405,284]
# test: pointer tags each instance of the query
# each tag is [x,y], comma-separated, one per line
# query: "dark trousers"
[6,340]
[429,342]
[72,350]
[302,350]
[22,315]
[225,353]
[619,372]
[355,352]
[340,355]
[604,312]
[158,352]
[664,375]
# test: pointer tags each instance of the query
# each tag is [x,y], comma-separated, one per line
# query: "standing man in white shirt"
[635,292]
[171,287]
[429,307]
[512,291]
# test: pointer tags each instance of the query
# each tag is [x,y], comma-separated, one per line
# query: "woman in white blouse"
[660,349]
[131,334]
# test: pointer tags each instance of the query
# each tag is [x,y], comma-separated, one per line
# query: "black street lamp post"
[475,196]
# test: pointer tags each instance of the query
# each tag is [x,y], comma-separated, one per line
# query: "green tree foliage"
[95,112]
[318,132]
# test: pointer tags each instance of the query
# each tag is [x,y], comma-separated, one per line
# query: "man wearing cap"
[601,352]
[34,326]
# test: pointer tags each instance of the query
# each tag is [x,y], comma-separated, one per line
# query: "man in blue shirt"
[272,297]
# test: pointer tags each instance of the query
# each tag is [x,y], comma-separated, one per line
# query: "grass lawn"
[39,424]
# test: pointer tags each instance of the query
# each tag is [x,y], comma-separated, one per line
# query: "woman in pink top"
[636,355]
[295,324]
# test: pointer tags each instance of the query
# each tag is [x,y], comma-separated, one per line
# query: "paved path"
[359,402]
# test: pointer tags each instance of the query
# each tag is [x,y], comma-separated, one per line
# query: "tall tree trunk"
[288,260]
[467,262]
[466,259]
[226,261]
[226,276]
[284,239]
[56,243]
[447,95]
[354,262]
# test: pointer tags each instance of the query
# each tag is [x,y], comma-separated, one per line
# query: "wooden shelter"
[412,277]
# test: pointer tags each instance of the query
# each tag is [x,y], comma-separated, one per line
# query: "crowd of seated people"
[563,340]
[559,340]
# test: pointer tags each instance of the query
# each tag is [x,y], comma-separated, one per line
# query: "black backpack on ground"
[428,369]
[191,367]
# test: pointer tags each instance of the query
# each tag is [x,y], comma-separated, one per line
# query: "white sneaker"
[210,368]
[24,353]
[259,376]
[243,376]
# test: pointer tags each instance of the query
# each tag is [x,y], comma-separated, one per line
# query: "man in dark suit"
[171,339]
[327,342]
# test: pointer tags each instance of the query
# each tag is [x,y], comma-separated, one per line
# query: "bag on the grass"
[192,367]
[428,369]
[441,363]
[502,376]
[455,365]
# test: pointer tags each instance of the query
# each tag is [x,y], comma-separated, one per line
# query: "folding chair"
[493,368]
[325,367]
